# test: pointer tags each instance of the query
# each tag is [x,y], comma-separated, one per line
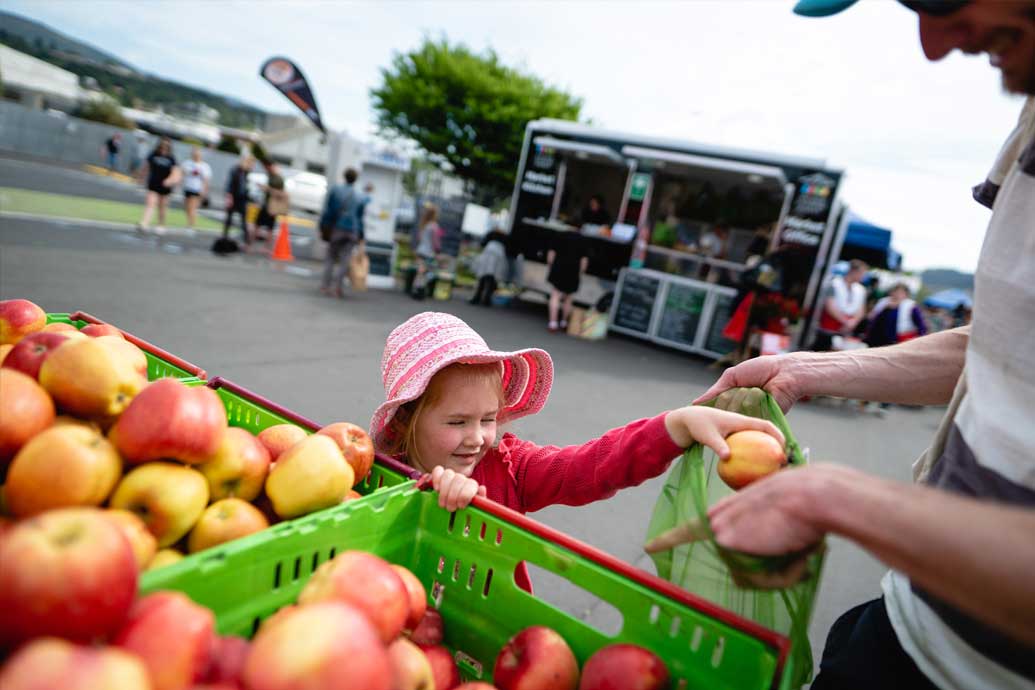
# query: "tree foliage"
[466,108]
[104,110]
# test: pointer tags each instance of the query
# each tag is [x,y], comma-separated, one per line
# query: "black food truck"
[673,227]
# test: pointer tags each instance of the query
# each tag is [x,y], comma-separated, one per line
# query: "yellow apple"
[311,475]
[163,558]
[89,379]
[230,518]
[753,455]
[239,467]
[168,498]
[140,538]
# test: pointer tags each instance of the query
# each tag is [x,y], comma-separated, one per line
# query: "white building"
[39,84]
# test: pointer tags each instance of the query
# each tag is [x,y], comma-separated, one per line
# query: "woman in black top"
[566,262]
[162,174]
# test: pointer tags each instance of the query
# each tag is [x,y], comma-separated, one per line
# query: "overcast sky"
[854,89]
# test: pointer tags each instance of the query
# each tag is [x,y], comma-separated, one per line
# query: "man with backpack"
[339,227]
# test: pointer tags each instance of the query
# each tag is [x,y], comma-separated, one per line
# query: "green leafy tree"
[229,144]
[105,111]
[467,108]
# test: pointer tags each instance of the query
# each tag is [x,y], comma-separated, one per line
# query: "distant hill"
[936,279]
[42,37]
[116,77]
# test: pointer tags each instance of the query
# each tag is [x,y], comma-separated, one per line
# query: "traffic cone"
[282,249]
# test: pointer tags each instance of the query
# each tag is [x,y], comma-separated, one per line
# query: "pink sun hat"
[429,342]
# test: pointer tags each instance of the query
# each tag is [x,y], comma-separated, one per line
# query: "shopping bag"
[575,322]
[359,269]
[728,578]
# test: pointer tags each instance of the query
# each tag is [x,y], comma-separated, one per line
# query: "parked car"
[305,189]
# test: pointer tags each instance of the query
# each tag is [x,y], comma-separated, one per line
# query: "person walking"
[566,261]
[196,176]
[111,150]
[895,318]
[490,267]
[958,608]
[843,306]
[276,203]
[429,244]
[339,223]
[162,174]
[235,199]
[140,153]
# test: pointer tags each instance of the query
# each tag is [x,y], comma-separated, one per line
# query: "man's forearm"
[923,371]
[975,555]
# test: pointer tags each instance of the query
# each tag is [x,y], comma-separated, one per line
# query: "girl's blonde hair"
[428,215]
[402,436]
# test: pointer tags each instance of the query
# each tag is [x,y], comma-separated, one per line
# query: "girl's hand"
[455,491]
[710,426]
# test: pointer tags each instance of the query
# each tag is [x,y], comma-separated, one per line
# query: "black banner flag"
[285,76]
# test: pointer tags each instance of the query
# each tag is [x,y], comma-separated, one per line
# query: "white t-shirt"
[195,175]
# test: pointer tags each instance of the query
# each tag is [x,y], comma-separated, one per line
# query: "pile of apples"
[80,426]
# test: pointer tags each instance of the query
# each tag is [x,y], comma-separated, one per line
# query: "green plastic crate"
[159,362]
[466,561]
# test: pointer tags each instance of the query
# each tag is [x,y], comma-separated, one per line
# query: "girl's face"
[458,429]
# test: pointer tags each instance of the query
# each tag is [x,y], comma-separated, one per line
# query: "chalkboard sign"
[636,302]
[681,314]
[715,342]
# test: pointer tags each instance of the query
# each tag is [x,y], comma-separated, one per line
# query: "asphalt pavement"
[265,326]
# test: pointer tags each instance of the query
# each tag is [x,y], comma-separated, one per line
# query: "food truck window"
[585,179]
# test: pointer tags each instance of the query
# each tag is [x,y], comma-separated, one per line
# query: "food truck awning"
[752,171]
[872,243]
[577,147]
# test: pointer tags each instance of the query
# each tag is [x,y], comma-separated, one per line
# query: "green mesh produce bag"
[712,572]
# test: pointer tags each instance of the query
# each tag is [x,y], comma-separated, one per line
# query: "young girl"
[447,393]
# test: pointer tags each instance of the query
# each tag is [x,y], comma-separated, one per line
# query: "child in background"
[447,392]
[490,267]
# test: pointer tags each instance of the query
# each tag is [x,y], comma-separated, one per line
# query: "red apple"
[430,630]
[19,318]
[537,658]
[48,662]
[226,663]
[95,330]
[25,410]
[624,667]
[325,646]
[418,596]
[352,495]
[69,573]
[173,636]
[28,355]
[280,437]
[476,685]
[171,420]
[366,582]
[411,669]
[60,327]
[355,444]
[447,675]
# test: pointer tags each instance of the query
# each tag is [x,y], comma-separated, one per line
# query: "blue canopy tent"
[949,299]
[869,242]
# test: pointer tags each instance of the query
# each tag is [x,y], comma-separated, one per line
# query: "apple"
[224,520]
[88,379]
[443,666]
[238,468]
[5,350]
[410,667]
[280,437]
[163,558]
[28,355]
[66,420]
[753,455]
[367,582]
[96,330]
[61,467]
[325,646]
[355,445]
[430,630]
[537,658]
[48,662]
[140,539]
[624,667]
[418,596]
[352,495]
[226,663]
[60,327]
[278,615]
[168,498]
[170,420]
[476,685]
[309,476]
[25,410]
[68,572]
[172,635]
[19,318]
[127,350]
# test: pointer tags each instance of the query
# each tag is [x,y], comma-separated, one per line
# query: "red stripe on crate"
[294,417]
[191,369]
[774,639]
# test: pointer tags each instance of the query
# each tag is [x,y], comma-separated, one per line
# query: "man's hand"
[771,373]
[455,491]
